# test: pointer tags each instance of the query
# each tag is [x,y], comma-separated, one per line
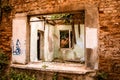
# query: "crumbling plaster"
[90,9]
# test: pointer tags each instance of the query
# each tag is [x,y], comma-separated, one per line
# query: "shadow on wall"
[91,48]
[92,58]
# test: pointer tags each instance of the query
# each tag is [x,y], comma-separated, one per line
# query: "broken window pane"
[65,39]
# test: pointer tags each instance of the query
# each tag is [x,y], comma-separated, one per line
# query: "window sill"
[71,68]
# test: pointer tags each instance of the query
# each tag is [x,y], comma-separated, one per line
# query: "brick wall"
[50,75]
[6,33]
[108,32]
[109,38]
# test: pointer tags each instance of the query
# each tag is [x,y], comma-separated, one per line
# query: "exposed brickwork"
[108,33]
[5,33]
[109,38]
[50,6]
[49,75]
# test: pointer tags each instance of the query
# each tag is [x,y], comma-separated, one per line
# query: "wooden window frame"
[70,39]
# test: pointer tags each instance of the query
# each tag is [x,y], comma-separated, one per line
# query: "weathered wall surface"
[109,38]
[71,53]
[19,31]
[6,33]
[108,32]
[35,26]
[34,7]
[49,75]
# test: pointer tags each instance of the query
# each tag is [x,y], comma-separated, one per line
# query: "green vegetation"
[6,74]
[7,8]
[66,78]
[55,76]
[66,17]
[13,75]
[44,66]
[3,61]
[61,16]
[20,76]
[101,76]
[4,64]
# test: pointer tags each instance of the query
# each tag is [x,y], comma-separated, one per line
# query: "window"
[52,37]
[65,39]
[53,28]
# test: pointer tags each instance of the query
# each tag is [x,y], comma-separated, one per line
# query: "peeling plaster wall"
[57,7]
[49,43]
[19,39]
[91,38]
[72,53]
[91,47]
[52,42]
[46,7]
[35,26]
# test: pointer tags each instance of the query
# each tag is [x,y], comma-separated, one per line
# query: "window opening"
[38,45]
[57,36]
[66,39]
